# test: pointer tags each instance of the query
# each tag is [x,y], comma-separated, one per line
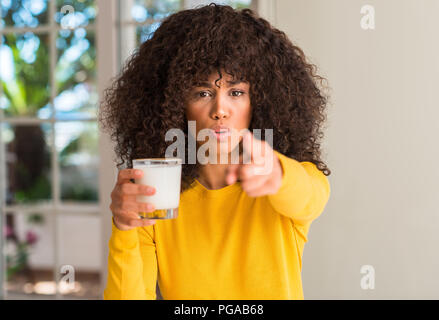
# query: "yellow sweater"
[223,244]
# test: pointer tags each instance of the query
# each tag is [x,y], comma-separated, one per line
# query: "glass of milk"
[164,174]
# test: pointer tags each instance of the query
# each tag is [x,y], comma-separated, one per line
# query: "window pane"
[29,255]
[73,13]
[77,147]
[153,9]
[24,13]
[75,75]
[27,162]
[146,32]
[236,4]
[24,75]
[80,277]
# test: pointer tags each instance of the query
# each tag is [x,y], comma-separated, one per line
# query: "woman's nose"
[220,110]
[219,114]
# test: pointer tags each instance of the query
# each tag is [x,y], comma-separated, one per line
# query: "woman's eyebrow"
[209,85]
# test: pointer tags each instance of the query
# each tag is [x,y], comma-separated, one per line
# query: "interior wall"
[381,146]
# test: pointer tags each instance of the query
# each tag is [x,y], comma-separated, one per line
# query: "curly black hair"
[147,98]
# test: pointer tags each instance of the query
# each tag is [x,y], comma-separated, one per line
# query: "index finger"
[232,172]
[125,175]
[252,147]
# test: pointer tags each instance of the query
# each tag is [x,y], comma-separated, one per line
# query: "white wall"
[381,145]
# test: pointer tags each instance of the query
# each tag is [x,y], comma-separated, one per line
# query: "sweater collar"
[214,193]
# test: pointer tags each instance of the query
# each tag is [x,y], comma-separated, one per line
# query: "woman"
[239,234]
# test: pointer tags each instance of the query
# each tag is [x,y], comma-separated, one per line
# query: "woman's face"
[228,105]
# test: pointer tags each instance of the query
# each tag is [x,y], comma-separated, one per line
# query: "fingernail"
[138,172]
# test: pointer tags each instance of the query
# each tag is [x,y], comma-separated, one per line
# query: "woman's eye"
[203,94]
[241,93]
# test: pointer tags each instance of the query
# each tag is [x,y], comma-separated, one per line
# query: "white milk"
[166,181]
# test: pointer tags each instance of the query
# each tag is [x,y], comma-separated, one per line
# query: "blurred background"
[57,169]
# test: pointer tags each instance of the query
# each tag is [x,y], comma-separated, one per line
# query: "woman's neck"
[213,176]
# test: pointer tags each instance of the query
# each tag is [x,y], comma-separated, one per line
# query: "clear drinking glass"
[164,174]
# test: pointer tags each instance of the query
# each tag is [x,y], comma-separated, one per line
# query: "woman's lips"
[221,135]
